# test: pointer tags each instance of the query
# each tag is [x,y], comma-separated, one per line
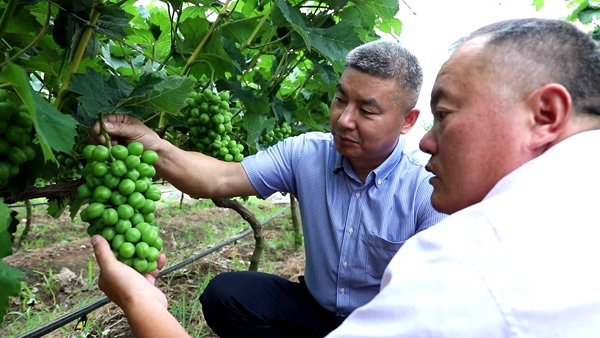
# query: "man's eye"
[440,115]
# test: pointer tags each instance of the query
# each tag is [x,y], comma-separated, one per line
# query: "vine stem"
[106,137]
[256,30]
[238,21]
[6,16]
[190,61]
[79,52]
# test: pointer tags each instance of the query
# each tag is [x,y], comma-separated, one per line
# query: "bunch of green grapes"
[69,167]
[279,133]
[118,187]
[209,124]
[15,141]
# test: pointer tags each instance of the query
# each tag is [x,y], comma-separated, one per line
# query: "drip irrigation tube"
[84,310]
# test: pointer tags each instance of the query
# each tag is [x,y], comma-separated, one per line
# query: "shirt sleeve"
[271,170]
[429,289]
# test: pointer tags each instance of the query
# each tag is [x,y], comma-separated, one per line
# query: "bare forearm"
[150,319]
[202,176]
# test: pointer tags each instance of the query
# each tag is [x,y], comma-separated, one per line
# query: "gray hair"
[388,59]
[547,51]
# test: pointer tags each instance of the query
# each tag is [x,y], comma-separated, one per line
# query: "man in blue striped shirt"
[361,196]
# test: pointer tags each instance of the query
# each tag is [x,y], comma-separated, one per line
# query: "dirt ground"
[183,237]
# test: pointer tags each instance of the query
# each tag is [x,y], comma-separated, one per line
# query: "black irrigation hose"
[84,310]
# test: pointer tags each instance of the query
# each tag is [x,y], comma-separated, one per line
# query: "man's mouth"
[428,167]
[345,139]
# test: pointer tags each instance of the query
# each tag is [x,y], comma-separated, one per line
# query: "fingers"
[112,125]
[151,276]
[161,261]
[102,251]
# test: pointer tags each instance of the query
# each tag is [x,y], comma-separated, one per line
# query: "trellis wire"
[84,310]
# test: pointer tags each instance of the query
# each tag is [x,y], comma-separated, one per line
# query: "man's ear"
[552,108]
[410,119]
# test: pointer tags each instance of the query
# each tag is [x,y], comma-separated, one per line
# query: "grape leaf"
[192,12]
[161,94]
[391,26]
[385,9]
[99,96]
[146,84]
[240,32]
[114,22]
[334,42]
[327,73]
[588,15]
[238,60]
[194,29]
[281,108]
[213,60]
[10,285]
[54,128]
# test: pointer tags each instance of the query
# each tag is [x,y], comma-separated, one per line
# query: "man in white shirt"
[515,151]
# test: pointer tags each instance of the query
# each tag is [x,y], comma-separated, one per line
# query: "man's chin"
[440,204]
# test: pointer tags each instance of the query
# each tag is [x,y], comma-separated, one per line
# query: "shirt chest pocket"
[378,253]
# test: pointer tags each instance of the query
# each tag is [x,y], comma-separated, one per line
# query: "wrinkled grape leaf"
[114,22]
[167,93]
[334,42]
[97,95]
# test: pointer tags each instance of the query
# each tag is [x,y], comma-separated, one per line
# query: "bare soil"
[184,234]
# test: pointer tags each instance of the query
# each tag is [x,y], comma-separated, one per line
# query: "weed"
[50,286]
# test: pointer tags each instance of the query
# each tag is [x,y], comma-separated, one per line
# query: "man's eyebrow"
[366,102]
[436,95]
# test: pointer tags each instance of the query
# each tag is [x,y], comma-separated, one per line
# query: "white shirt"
[524,262]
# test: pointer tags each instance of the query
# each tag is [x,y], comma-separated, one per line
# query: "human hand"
[124,129]
[121,283]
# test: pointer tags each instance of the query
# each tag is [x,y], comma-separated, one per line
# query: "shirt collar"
[382,171]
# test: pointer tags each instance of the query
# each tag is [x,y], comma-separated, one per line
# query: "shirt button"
[379,182]
[357,195]
[345,264]
[351,230]
[343,290]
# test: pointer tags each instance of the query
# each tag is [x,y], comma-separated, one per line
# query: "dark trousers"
[256,304]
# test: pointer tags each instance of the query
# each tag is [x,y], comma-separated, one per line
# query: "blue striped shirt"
[351,230]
